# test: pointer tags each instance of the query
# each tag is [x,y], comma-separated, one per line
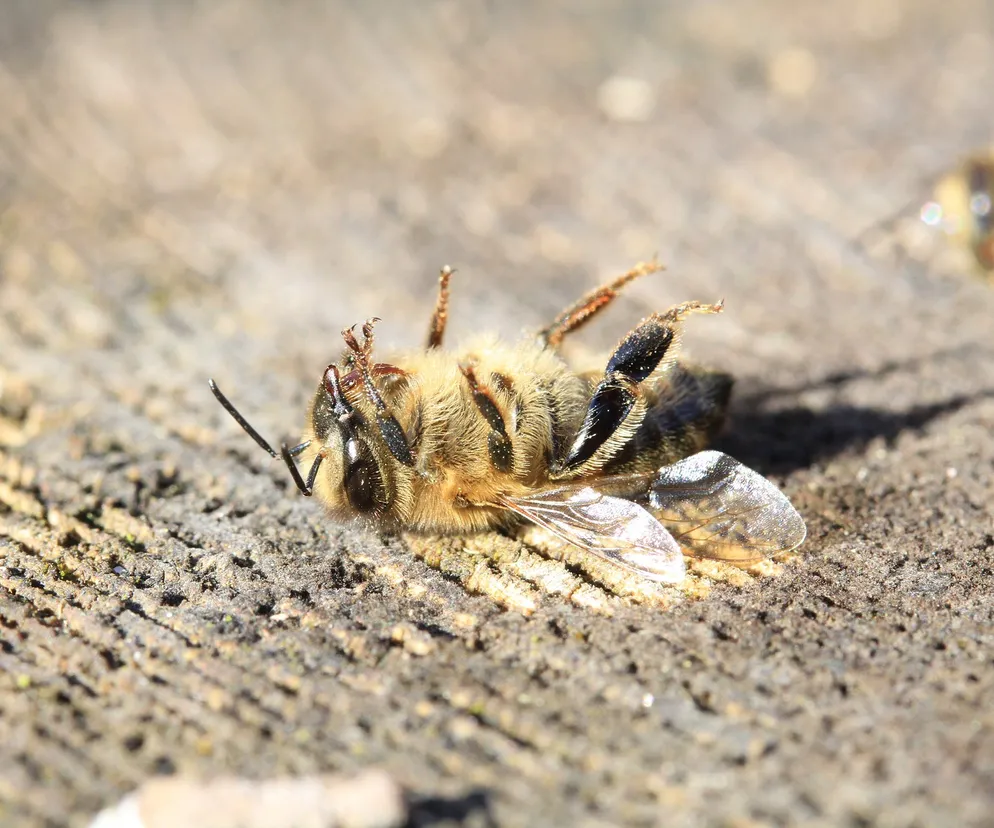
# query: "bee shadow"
[788,439]
[473,808]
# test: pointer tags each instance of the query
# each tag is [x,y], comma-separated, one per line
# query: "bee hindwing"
[618,530]
[717,508]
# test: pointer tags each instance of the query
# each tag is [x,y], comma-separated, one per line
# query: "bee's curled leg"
[440,317]
[617,406]
[393,435]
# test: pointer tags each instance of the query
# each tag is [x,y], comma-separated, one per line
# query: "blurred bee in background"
[961,206]
[964,208]
[497,434]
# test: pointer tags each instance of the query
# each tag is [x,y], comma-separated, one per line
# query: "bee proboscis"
[611,461]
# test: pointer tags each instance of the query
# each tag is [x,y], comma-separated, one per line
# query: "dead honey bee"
[610,461]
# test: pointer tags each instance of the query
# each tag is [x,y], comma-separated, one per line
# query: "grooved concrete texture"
[216,189]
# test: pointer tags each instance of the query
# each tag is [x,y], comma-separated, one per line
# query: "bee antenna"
[306,488]
[287,452]
[234,412]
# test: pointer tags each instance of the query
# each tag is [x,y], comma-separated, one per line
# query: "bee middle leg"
[436,331]
[499,446]
[617,406]
[590,304]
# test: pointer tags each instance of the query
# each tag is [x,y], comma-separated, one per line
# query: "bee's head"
[351,478]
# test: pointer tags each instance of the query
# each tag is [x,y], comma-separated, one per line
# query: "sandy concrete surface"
[216,189]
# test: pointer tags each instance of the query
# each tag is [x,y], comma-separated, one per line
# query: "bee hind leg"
[590,304]
[618,406]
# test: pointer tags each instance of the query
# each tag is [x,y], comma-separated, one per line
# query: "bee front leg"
[590,304]
[390,430]
[617,406]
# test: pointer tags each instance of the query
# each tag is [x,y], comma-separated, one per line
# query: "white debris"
[368,800]
[623,98]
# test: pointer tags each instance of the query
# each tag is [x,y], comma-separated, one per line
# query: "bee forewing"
[718,508]
[619,530]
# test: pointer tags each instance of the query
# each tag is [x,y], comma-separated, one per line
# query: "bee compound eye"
[363,483]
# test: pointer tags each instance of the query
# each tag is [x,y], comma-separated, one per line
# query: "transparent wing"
[619,530]
[717,508]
